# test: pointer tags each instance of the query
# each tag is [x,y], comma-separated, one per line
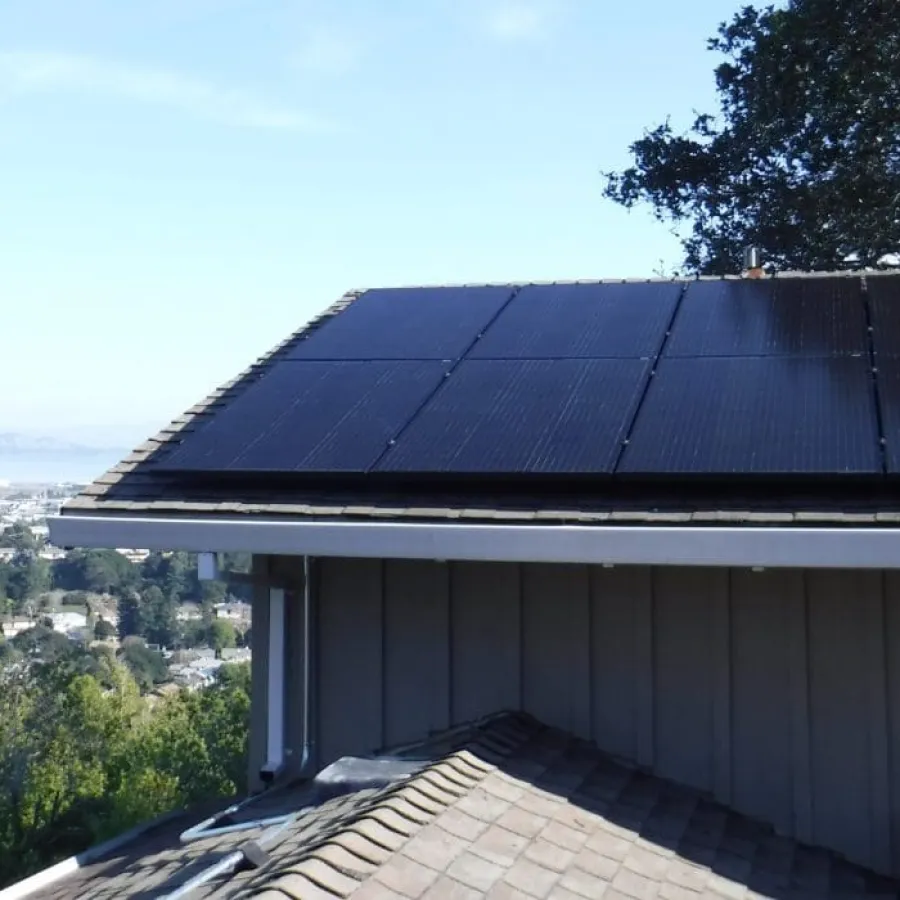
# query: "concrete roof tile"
[351,847]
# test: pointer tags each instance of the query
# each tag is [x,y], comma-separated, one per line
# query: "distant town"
[147,609]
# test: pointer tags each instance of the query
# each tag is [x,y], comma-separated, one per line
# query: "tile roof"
[504,808]
[136,486]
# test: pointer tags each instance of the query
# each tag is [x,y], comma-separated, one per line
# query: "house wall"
[773,691]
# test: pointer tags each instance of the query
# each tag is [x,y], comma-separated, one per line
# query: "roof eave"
[659,545]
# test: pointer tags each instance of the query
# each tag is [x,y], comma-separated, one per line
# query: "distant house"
[15,626]
[133,556]
[659,521]
[234,612]
[189,612]
[51,554]
[68,622]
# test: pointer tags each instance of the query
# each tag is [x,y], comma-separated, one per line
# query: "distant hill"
[14,444]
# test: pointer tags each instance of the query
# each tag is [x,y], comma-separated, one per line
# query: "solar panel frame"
[764,416]
[887,376]
[549,417]
[883,298]
[581,321]
[770,317]
[406,323]
[311,417]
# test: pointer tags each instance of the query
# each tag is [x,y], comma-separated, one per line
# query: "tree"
[84,758]
[193,634]
[235,562]
[213,592]
[20,537]
[97,571]
[803,159]
[147,666]
[158,618]
[28,577]
[174,573]
[43,643]
[104,630]
[222,635]
[129,614]
[8,653]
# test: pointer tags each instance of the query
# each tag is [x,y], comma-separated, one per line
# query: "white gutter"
[41,881]
[875,548]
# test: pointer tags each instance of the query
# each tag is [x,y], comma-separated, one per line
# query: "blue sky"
[185,182]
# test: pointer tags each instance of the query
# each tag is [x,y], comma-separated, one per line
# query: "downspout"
[274,766]
[306,751]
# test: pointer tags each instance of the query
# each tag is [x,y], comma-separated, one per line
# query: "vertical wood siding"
[777,692]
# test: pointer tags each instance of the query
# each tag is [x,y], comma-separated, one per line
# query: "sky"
[184,183]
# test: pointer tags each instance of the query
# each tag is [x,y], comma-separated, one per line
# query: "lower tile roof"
[503,808]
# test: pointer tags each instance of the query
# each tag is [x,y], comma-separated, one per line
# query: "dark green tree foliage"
[148,668]
[222,635]
[803,157]
[97,571]
[83,758]
[157,619]
[20,537]
[174,573]
[27,577]
[130,614]
[235,562]
[104,630]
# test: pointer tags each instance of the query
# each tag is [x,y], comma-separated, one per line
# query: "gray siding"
[774,691]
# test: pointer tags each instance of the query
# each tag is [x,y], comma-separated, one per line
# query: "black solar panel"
[514,416]
[406,323]
[311,417]
[574,321]
[774,415]
[888,379]
[884,304]
[770,317]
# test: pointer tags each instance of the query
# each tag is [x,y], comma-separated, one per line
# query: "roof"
[502,808]
[141,485]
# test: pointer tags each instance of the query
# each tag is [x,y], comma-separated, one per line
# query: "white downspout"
[275,728]
[306,754]
[275,693]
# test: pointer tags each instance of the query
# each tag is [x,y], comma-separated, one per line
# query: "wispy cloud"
[516,20]
[325,51]
[31,73]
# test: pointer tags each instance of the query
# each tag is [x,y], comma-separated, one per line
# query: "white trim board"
[873,547]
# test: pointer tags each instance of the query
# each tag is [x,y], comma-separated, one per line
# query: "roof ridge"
[633,279]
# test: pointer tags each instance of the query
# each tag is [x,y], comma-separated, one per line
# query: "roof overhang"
[661,545]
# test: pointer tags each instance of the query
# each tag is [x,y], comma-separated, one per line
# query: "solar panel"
[774,415]
[406,323]
[884,304]
[311,417]
[770,317]
[523,416]
[573,321]
[888,379]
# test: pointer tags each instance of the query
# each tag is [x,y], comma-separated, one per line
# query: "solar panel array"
[767,377]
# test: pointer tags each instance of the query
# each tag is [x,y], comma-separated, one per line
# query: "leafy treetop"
[803,158]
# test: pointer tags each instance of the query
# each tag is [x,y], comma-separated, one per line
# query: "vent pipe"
[753,267]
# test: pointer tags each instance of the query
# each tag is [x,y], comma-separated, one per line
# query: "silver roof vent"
[753,267]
